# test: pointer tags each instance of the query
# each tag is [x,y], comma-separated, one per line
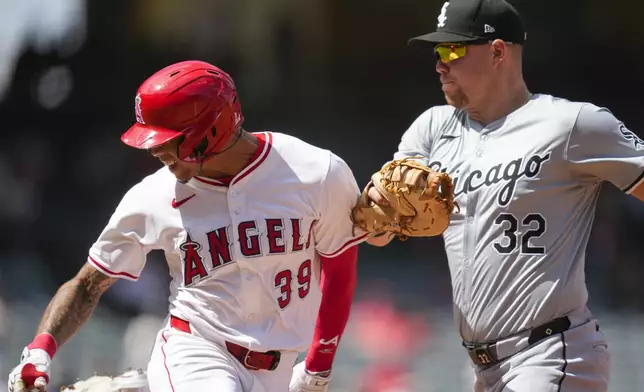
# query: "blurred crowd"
[337,74]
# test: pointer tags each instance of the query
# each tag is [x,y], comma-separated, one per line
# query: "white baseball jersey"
[527,186]
[244,258]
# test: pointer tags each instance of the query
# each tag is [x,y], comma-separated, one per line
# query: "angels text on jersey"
[199,261]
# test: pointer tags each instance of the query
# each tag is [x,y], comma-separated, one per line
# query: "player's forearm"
[73,305]
[339,277]
[70,308]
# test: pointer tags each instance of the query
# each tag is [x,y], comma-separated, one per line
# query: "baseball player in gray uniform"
[527,170]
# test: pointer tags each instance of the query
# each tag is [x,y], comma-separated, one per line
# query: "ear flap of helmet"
[209,139]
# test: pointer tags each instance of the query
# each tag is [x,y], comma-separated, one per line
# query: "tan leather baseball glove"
[421,201]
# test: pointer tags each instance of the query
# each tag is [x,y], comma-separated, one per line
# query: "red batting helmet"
[191,99]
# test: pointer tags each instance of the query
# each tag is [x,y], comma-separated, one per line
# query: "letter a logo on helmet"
[193,100]
[137,109]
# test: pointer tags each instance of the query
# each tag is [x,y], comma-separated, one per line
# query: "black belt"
[485,354]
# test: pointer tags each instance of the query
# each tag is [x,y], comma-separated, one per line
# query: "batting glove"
[306,381]
[32,372]
[35,365]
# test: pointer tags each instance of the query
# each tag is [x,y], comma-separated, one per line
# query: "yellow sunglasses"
[449,52]
[446,52]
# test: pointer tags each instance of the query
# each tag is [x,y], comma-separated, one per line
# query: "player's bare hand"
[32,373]
[377,197]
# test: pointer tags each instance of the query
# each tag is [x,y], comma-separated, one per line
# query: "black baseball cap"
[476,20]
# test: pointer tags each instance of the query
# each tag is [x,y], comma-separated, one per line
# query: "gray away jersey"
[527,186]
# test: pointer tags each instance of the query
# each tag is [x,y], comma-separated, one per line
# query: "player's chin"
[181,172]
[455,100]
[183,178]
[183,181]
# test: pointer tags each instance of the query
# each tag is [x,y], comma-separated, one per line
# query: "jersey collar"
[264,147]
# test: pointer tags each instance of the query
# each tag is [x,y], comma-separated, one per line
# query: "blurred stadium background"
[335,73]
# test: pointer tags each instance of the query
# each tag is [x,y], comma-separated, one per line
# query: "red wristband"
[46,342]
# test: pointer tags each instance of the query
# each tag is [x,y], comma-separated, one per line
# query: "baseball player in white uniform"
[527,170]
[257,234]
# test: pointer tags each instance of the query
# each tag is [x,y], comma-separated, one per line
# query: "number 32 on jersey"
[518,232]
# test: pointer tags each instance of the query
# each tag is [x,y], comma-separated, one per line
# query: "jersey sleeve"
[121,248]
[416,141]
[334,231]
[601,147]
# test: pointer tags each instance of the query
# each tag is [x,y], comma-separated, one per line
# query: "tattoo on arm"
[74,303]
